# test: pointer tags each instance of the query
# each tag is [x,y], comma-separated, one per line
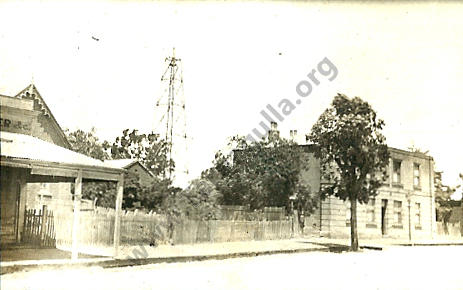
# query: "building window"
[396,171]
[418,215]
[397,212]
[371,211]
[416,175]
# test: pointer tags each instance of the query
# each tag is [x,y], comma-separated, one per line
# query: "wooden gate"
[39,228]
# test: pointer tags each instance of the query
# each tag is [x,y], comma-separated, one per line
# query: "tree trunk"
[461,216]
[354,240]
[446,227]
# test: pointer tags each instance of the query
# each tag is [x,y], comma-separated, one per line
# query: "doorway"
[16,211]
[383,217]
[10,191]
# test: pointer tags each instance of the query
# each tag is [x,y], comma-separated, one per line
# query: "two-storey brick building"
[404,207]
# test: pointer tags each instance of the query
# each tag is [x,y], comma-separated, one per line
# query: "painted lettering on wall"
[10,125]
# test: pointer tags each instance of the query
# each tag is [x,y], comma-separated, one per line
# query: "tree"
[147,148]
[87,143]
[153,196]
[199,201]
[443,201]
[150,149]
[353,153]
[261,174]
[461,216]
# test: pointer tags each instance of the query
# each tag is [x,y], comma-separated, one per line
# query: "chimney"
[273,133]
[273,126]
[293,135]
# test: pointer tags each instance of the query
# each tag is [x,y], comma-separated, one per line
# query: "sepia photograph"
[231,144]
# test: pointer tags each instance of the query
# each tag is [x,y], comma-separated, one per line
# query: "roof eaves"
[29,163]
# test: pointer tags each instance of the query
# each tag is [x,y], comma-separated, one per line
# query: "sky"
[99,64]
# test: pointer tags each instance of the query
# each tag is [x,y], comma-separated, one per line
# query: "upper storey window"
[416,176]
[396,171]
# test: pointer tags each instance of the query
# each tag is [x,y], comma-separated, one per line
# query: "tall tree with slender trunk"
[461,219]
[353,153]
[443,201]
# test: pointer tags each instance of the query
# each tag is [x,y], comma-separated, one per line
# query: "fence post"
[37,229]
[24,235]
[43,228]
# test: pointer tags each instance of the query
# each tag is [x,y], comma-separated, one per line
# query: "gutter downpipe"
[431,196]
[409,218]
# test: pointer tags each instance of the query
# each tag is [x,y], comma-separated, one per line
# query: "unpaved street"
[435,267]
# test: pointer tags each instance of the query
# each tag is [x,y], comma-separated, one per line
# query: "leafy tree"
[443,201]
[199,201]
[260,174]
[353,153]
[150,149]
[87,143]
[153,196]
[461,188]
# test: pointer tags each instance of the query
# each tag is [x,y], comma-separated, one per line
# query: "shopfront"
[34,152]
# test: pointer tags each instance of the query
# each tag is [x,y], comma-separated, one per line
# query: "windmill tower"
[170,118]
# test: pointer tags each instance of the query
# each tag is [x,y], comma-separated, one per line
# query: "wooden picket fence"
[39,228]
[218,231]
[96,228]
[244,213]
[453,230]
[137,228]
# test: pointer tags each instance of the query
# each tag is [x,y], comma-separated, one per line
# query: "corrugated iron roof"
[121,163]
[27,147]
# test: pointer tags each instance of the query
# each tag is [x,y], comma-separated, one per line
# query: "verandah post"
[117,220]
[76,224]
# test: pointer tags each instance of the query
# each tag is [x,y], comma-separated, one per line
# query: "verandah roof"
[44,158]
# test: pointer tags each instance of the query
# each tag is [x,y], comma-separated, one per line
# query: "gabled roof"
[127,163]
[31,92]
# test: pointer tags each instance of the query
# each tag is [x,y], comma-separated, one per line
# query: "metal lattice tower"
[170,107]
